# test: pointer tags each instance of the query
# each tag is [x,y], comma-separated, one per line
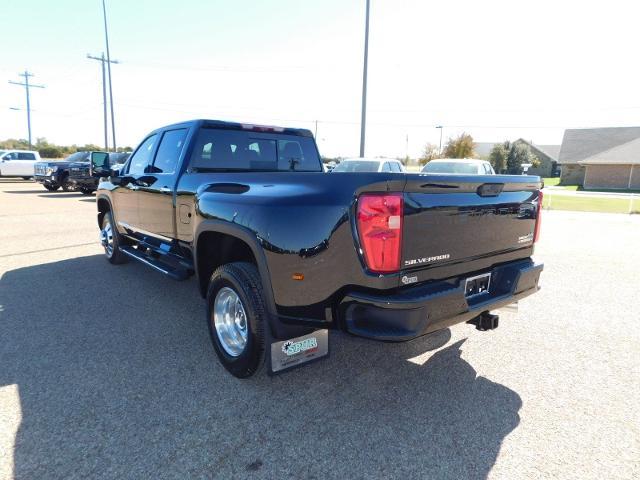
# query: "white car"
[459,166]
[18,163]
[390,165]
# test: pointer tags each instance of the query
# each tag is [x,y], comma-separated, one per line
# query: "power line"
[103,60]
[26,86]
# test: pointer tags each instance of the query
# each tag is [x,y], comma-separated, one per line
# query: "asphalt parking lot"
[107,371]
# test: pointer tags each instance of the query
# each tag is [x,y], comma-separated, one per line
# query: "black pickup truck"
[55,174]
[84,179]
[282,252]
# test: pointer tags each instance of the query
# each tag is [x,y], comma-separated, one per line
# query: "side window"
[142,157]
[395,167]
[10,156]
[386,167]
[169,151]
[26,156]
[487,169]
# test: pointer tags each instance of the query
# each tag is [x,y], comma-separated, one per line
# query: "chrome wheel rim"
[106,238]
[230,321]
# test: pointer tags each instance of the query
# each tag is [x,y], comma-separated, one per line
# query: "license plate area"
[477,285]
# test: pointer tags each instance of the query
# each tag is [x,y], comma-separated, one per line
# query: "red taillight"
[380,230]
[536,233]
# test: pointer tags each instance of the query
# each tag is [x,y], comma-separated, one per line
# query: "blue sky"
[495,69]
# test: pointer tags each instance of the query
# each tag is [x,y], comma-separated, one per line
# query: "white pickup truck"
[18,163]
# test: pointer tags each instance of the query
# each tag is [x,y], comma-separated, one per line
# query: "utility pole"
[315,135]
[106,38]
[26,86]
[363,120]
[407,147]
[440,147]
[103,60]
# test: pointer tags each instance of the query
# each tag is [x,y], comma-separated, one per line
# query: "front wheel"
[111,240]
[67,186]
[237,318]
[27,178]
[51,188]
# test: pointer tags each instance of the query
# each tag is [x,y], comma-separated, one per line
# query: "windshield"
[78,157]
[2,151]
[451,167]
[118,158]
[357,166]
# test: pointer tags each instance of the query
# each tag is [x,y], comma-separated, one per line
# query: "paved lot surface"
[107,372]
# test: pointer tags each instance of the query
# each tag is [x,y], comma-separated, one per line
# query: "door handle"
[165,189]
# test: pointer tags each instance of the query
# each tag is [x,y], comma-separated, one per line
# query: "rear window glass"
[451,167]
[246,150]
[357,166]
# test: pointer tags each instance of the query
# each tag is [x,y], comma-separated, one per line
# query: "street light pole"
[440,147]
[364,83]
[106,38]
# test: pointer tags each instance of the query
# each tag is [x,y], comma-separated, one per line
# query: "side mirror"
[100,163]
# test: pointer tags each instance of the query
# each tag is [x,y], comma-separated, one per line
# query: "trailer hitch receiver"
[485,321]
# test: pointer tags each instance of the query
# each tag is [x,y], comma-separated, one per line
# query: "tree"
[430,153]
[459,147]
[51,152]
[520,153]
[498,156]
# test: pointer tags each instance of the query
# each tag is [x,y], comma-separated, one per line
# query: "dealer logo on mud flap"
[294,351]
[291,348]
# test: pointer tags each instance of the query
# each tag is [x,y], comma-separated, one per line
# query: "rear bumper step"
[412,312]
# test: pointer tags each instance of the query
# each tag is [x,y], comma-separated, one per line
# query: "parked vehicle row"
[283,251]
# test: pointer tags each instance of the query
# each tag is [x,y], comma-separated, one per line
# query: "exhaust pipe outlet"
[485,321]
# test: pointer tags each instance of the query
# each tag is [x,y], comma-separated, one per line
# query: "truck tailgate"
[450,219]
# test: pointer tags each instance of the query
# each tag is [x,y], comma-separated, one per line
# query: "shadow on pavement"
[26,192]
[116,378]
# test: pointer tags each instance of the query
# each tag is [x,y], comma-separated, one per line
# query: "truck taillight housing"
[380,230]
[536,232]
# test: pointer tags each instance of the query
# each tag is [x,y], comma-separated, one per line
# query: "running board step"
[170,271]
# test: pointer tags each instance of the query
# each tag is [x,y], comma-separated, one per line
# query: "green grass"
[555,182]
[590,204]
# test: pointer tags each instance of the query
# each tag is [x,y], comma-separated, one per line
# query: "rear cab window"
[222,149]
[139,161]
[169,151]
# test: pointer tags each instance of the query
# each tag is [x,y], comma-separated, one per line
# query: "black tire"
[86,191]
[52,188]
[113,254]
[27,178]
[243,278]
[66,186]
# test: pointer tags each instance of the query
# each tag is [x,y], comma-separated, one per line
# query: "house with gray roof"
[547,156]
[601,158]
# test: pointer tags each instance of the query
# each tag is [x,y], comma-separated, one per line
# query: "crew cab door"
[125,195]
[156,187]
